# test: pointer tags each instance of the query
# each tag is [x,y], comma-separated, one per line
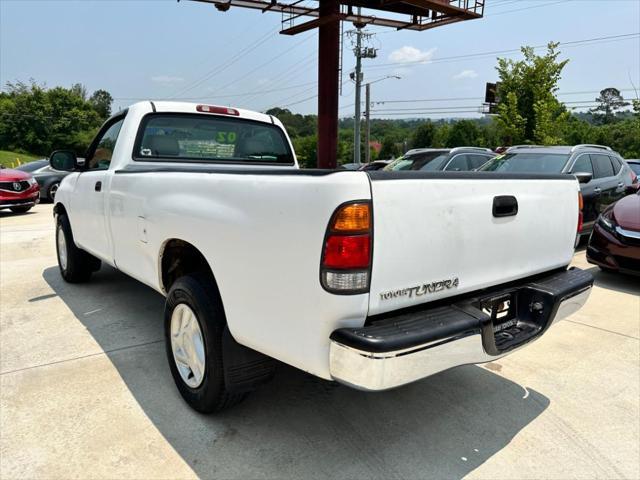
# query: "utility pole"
[360,52]
[367,116]
[356,127]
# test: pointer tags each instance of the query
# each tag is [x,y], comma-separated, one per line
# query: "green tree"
[306,150]
[422,136]
[38,120]
[391,148]
[609,101]
[463,133]
[101,101]
[529,110]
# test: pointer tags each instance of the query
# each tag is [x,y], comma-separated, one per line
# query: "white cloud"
[167,79]
[465,74]
[409,54]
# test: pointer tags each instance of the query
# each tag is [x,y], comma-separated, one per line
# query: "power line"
[502,52]
[453,99]
[221,68]
[528,8]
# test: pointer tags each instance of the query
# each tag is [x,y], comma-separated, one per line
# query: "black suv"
[442,159]
[609,177]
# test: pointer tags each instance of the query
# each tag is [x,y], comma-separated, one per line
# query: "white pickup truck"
[372,279]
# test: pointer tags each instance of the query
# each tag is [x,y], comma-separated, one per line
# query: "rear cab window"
[184,137]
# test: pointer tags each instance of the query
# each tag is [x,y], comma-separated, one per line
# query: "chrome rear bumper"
[359,357]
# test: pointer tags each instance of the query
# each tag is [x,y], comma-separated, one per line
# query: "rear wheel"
[75,264]
[194,324]
[20,209]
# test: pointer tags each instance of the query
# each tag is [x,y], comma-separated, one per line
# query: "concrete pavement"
[85,392]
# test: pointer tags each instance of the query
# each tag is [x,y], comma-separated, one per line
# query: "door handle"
[505,206]
[620,185]
[98,187]
[597,190]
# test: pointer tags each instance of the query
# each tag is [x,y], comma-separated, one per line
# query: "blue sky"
[139,49]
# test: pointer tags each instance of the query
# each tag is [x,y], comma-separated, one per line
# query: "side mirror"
[64,160]
[583,177]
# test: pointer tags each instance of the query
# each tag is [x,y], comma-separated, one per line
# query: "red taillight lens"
[346,255]
[345,252]
[580,214]
[634,177]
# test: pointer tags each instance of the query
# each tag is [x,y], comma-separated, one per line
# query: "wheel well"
[59,209]
[179,258]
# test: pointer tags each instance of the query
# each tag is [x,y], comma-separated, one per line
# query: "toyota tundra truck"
[373,279]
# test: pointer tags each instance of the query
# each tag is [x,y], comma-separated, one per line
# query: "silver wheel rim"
[53,190]
[187,345]
[62,249]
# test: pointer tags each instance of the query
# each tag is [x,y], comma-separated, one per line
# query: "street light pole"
[367,132]
[367,116]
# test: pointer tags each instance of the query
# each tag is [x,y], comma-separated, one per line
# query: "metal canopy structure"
[303,15]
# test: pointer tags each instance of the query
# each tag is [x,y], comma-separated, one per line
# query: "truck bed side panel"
[262,235]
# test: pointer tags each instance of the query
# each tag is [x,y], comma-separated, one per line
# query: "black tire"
[21,209]
[79,264]
[51,190]
[200,294]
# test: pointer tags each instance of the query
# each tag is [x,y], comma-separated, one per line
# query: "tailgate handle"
[505,206]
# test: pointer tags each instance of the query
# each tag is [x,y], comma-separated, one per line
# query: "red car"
[614,244]
[19,191]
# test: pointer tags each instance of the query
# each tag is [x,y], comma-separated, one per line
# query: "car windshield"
[202,138]
[527,163]
[635,166]
[33,166]
[426,161]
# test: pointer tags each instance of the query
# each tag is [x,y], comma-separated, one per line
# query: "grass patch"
[13,159]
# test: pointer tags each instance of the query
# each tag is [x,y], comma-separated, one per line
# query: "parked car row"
[26,185]
[19,191]
[604,176]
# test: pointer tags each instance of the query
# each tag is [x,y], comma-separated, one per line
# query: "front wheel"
[52,190]
[75,264]
[194,322]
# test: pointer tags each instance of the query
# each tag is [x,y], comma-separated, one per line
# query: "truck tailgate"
[435,234]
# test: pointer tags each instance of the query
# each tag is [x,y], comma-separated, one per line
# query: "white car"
[373,279]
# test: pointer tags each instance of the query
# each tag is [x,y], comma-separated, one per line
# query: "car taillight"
[580,214]
[634,177]
[346,255]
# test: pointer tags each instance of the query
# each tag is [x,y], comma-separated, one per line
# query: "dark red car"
[615,241]
[18,190]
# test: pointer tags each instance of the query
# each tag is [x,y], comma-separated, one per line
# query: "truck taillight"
[346,256]
[580,214]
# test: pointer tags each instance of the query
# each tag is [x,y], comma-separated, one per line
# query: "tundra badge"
[421,290]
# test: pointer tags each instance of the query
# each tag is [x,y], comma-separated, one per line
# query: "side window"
[583,165]
[601,165]
[458,164]
[101,158]
[476,161]
[617,165]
